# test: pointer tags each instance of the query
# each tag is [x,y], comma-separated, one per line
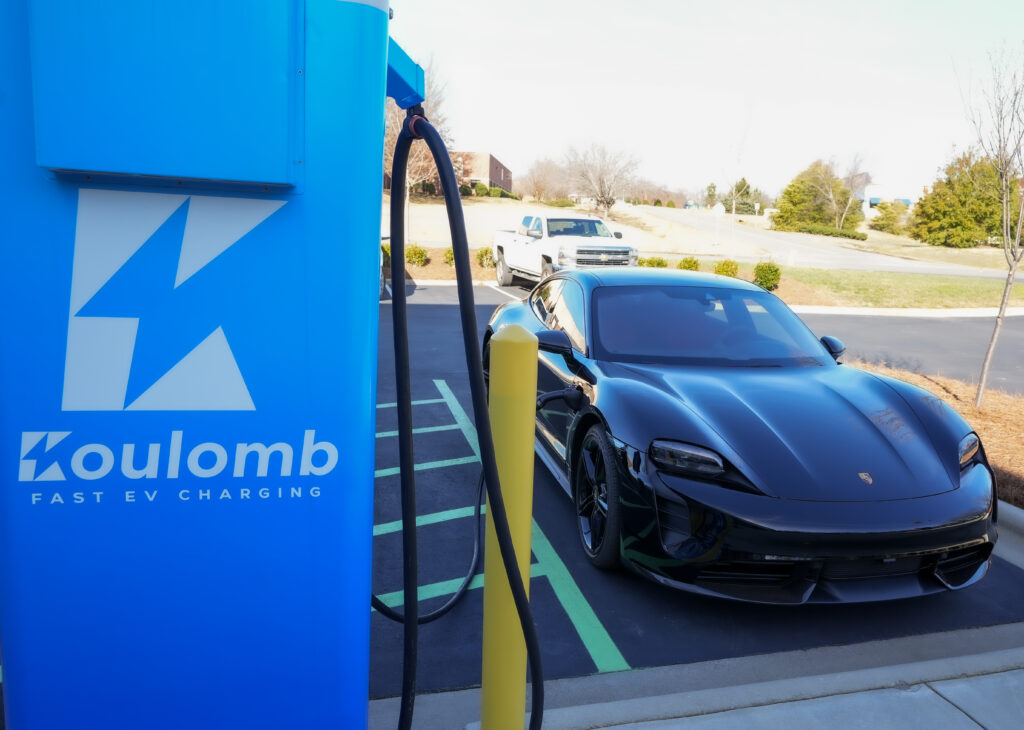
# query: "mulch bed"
[437,269]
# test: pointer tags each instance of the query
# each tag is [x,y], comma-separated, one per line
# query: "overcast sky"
[707,91]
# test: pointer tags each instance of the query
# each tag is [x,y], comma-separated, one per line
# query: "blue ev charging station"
[190,201]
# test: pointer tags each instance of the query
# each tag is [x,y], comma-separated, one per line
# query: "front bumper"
[708,539]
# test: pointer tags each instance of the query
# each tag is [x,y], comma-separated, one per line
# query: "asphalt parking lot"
[588,621]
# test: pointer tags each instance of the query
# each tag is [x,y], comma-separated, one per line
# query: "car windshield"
[577,227]
[689,325]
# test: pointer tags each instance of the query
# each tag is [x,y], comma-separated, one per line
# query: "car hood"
[830,433]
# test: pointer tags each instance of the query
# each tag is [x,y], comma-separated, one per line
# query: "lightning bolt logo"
[34,445]
[143,334]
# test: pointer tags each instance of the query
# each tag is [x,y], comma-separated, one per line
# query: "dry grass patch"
[999,423]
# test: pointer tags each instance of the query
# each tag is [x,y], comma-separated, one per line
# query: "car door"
[565,312]
[532,248]
[516,255]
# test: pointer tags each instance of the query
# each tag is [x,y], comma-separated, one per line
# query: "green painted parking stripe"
[415,402]
[425,429]
[432,590]
[427,465]
[463,421]
[444,588]
[386,528]
[598,643]
[596,639]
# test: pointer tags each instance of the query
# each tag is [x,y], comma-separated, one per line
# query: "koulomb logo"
[144,334]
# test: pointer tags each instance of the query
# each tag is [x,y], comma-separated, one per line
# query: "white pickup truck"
[543,245]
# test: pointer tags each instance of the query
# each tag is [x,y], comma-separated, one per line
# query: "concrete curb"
[703,702]
[1011,517]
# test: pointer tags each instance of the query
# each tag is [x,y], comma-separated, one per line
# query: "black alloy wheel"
[596,496]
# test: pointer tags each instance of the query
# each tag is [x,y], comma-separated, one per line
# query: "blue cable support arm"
[405,77]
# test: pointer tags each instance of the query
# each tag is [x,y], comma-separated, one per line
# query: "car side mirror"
[554,341]
[558,343]
[617,234]
[534,234]
[834,345]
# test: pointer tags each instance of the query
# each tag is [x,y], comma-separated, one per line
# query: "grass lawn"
[987,257]
[837,287]
[999,423]
[887,289]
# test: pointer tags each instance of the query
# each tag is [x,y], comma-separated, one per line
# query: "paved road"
[822,252]
[953,347]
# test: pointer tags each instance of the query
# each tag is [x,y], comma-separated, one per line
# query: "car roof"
[643,276]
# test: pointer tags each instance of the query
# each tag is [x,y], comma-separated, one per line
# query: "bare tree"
[599,173]
[856,181]
[998,120]
[545,180]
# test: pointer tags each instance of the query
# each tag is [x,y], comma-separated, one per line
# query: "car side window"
[544,297]
[567,314]
[536,225]
[525,225]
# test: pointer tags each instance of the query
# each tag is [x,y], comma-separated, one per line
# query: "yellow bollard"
[512,403]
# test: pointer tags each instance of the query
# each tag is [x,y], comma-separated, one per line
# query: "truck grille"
[614,257]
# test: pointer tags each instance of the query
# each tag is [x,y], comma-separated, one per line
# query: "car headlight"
[687,459]
[633,257]
[566,257]
[969,447]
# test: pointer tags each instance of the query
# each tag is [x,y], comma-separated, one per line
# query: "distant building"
[875,194]
[482,167]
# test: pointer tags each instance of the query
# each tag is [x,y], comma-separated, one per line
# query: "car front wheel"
[596,496]
[501,270]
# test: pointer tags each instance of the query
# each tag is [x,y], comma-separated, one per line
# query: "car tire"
[546,269]
[501,270]
[596,499]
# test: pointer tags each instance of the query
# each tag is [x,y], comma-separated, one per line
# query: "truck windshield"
[577,227]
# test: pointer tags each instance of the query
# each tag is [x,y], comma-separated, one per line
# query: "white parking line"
[502,291]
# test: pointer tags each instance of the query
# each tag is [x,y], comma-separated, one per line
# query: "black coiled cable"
[416,126]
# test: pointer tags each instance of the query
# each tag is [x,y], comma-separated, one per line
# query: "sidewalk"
[989,695]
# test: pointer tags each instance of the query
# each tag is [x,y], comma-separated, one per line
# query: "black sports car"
[712,443]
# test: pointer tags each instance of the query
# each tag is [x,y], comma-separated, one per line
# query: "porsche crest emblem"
[865,477]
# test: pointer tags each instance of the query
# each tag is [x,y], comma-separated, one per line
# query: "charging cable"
[416,126]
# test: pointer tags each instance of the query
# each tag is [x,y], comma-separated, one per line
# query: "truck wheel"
[501,271]
[546,269]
